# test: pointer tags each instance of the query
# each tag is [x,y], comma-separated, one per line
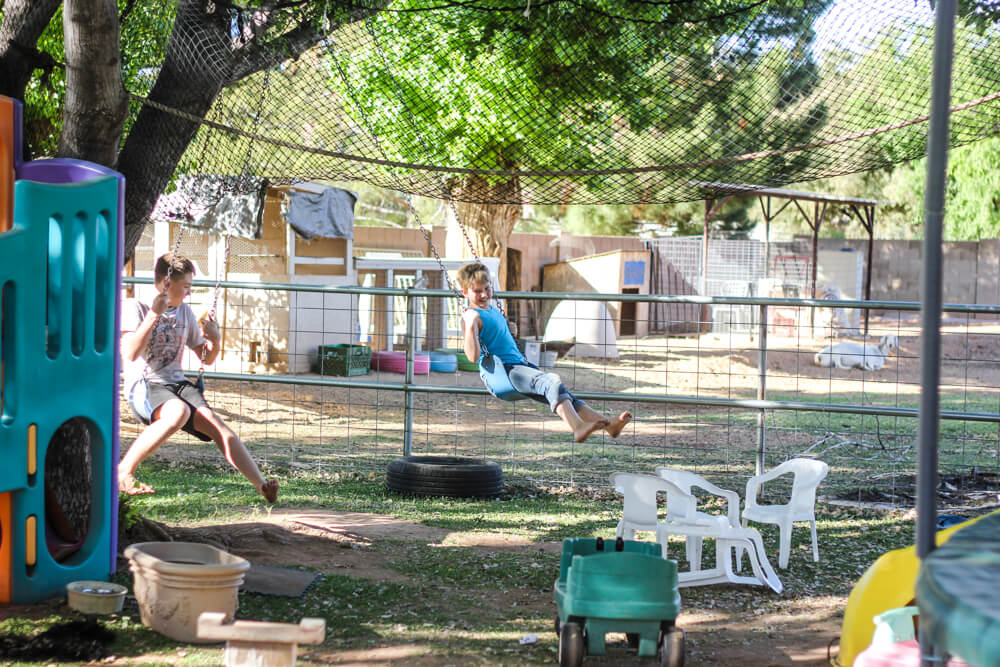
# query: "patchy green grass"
[461,605]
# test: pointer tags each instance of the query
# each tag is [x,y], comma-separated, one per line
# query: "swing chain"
[218,277]
[447,190]
[170,273]
[215,301]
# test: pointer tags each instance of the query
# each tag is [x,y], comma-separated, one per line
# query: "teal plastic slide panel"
[62,366]
[68,170]
[18,280]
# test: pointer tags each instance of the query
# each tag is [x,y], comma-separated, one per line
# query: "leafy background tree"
[486,69]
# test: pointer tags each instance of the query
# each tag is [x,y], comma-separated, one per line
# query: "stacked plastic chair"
[60,285]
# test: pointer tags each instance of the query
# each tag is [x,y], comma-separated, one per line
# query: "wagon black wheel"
[672,648]
[571,645]
[451,476]
[633,639]
[557,624]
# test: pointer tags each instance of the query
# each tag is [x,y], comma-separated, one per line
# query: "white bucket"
[175,582]
[548,358]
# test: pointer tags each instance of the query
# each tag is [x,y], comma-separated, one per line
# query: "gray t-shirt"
[161,360]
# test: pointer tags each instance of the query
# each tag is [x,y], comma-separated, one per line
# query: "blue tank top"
[495,336]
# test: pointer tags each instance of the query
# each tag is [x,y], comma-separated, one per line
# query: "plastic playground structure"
[60,272]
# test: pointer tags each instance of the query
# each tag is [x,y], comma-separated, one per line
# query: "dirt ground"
[796,632]
[790,632]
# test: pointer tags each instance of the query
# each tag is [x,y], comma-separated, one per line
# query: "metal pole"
[411,336]
[869,213]
[703,326]
[761,390]
[930,314]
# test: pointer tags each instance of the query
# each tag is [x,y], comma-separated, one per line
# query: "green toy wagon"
[624,586]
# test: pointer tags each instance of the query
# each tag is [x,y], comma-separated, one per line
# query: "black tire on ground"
[672,648]
[571,646]
[451,476]
[557,624]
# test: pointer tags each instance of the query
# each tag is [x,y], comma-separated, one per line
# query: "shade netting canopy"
[565,101]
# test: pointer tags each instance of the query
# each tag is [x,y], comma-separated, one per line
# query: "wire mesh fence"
[722,403]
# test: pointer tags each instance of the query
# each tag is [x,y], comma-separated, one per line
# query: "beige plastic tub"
[175,582]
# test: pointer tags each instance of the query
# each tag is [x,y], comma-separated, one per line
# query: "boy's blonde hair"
[170,265]
[473,274]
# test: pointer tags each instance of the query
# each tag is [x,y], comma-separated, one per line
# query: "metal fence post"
[411,336]
[761,388]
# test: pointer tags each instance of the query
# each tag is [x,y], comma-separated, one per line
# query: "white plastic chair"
[640,507]
[807,475]
[727,539]
[682,507]
[640,514]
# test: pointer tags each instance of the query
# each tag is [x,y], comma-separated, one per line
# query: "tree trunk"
[489,225]
[95,96]
[190,80]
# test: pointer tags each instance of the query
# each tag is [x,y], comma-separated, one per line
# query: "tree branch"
[24,21]
[258,56]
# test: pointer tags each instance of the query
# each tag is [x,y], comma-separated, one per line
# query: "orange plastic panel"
[6,535]
[6,163]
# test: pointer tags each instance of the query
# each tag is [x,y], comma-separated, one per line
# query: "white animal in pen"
[848,354]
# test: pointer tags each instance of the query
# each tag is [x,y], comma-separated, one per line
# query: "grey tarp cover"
[327,214]
[215,205]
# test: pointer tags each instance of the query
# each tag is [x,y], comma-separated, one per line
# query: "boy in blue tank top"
[483,322]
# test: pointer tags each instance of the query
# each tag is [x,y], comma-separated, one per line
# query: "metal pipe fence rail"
[725,404]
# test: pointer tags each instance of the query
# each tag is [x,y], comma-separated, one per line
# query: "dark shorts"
[146,397]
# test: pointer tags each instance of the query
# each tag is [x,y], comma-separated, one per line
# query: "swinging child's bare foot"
[588,428]
[616,425]
[269,490]
[130,486]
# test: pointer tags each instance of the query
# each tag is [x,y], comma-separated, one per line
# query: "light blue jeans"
[540,386]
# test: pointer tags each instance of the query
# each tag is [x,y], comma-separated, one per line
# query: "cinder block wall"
[970,269]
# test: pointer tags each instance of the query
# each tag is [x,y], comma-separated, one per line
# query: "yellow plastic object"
[30,540]
[890,582]
[32,449]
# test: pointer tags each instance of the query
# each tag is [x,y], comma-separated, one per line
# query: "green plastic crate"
[463,361]
[344,359]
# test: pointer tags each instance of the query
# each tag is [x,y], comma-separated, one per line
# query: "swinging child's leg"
[581,429]
[614,426]
[209,423]
[168,418]
[548,387]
